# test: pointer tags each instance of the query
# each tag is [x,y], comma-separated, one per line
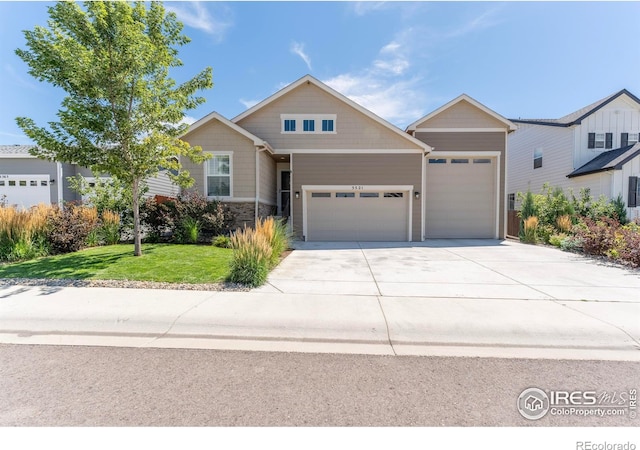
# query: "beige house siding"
[216,137]
[267,179]
[474,142]
[357,169]
[462,115]
[354,130]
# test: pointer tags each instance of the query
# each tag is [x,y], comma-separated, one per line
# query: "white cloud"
[196,15]
[188,120]
[297,48]
[485,20]
[362,8]
[249,103]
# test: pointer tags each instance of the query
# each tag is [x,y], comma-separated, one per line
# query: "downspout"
[60,181]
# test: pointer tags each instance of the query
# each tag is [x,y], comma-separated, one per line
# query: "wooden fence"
[513,223]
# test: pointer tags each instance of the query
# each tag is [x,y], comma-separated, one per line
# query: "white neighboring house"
[595,147]
[26,180]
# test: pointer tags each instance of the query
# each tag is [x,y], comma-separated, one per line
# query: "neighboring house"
[26,180]
[338,172]
[595,147]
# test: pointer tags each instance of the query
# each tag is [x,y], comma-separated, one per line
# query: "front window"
[632,139]
[327,125]
[219,176]
[600,140]
[290,125]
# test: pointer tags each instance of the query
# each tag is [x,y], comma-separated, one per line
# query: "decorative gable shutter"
[624,139]
[608,140]
[592,140]
[633,192]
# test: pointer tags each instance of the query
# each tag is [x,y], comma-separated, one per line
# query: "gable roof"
[611,160]
[16,151]
[308,79]
[464,97]
[576,117]
[219,117]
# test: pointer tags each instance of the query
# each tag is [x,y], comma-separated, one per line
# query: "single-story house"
[26,180]
[338,172]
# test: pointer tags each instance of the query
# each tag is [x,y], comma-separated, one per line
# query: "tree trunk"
[137,238]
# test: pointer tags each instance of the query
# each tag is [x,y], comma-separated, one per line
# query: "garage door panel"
[363,217]
[25,191]
[460,199]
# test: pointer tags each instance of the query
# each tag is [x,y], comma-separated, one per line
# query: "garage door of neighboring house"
[461,195]
[24,190]
[357,215]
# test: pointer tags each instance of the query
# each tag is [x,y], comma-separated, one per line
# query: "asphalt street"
[110,386]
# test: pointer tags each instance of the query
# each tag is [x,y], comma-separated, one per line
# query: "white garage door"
[357,216]
[460,198]
[24,191]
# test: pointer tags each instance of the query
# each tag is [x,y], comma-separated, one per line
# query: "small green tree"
[122,113]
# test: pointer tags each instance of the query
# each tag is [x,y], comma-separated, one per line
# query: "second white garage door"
[347,215]
[25,191]
[460,198]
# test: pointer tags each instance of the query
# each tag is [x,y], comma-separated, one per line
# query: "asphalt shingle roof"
[15,149]
[576,117]
[610,160]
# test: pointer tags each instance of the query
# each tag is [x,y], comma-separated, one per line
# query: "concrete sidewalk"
[369,324]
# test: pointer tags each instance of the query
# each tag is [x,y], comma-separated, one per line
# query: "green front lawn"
[159,262]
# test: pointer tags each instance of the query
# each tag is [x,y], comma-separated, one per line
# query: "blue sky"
[399,59]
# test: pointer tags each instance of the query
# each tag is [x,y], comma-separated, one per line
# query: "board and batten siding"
[217,137]
[557,158]
[620,116]
[462,115]
[357,169]
[471,142]
[620,185]
[354,130]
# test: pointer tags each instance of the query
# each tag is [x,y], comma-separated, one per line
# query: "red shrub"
[598,236]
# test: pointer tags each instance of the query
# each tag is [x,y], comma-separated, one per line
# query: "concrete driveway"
[451,268]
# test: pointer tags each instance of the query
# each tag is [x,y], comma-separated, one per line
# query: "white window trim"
[629,141]
[300,118]
[206,175]
[604,140]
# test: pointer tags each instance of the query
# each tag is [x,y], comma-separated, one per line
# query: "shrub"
[189,231]
[629,245]
[556,239]
[69,227]
[23,233]
[222,241]
[598,237]
[170,216]
[110,228]
[619,209]
[544,232]
[563,223]
[275,232]
[530,230]
[571,243]
[251,257]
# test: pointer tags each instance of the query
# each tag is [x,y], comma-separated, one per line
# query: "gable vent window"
[628,139]
[327,125]
[600,140]
[308,123]
[537,158]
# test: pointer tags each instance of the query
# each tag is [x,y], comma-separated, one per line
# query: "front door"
[285,193]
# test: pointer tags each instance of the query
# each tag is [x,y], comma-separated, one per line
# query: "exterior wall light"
[297,194]
[417,195]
